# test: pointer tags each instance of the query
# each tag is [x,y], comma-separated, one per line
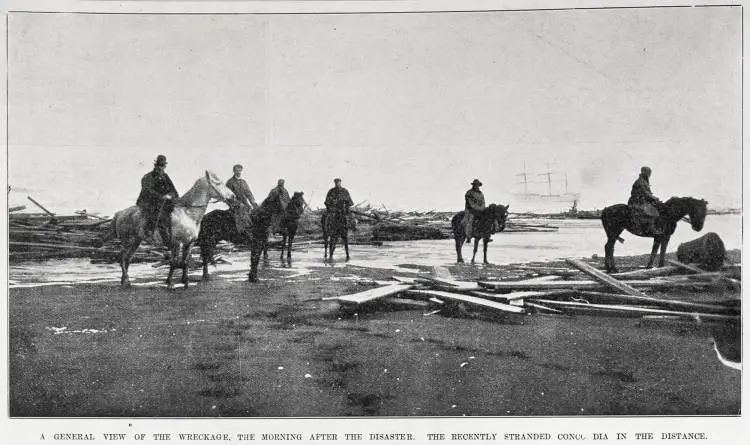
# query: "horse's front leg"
[206,255]
[459,245]
[654,249]
[186,263]
[662,254]
[486,240]
[476,247]
[332,245]
[256,250]
[345,240]
[289,248]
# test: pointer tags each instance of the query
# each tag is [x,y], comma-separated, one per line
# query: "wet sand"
[273,349]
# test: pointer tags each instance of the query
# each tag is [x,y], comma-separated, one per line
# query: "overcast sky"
[406,108]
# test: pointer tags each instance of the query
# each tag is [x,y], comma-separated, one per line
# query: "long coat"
[154,185]
[474,201]
[641,198]
[338,196]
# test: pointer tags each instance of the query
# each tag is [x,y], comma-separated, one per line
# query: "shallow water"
[575,238]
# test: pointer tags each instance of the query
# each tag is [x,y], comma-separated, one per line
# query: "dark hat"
[337,180]
[476,182]
[161,161]
[645,169]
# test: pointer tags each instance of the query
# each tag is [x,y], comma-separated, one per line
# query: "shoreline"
[276,349]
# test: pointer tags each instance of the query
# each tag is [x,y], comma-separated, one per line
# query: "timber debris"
[584,290]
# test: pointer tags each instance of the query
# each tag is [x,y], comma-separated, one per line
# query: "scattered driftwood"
[604,278]
[553,295]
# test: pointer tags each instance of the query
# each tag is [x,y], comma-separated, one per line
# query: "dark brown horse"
[618,217]
[288,225]
[335,225]
[239,225]
[488,221]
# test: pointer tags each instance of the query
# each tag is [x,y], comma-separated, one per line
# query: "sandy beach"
[275,349]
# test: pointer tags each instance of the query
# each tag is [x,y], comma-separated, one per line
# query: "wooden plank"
[51,246]
[469,299]
[543,278]
[633,310]
[16,208]
[521,295]
[688,267]
[646,273]
[674,304]
[537,285]
[41,206]
[397,301]
[604,278]
[372,294]
[542,307]
[462,285]
[405,280]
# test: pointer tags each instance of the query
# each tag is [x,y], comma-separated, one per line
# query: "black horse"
[488,221]
[287,226]
[618,217]
[335,224]
[239,225]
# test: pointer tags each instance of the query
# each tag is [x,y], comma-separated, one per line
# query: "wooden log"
[708,251]
[16,208]
[634,311]
[604,278]
[41,207]
[468,299]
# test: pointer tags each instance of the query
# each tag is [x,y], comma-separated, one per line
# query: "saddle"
[646,220]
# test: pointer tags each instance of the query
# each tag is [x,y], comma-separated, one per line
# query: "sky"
[406,108]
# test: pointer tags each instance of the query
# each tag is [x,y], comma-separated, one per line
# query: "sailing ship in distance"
[550,178]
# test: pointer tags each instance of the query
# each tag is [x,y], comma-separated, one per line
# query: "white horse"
[129,225]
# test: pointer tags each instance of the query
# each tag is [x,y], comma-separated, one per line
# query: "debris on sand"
[604,295]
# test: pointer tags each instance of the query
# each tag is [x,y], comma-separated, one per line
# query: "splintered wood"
[605,295]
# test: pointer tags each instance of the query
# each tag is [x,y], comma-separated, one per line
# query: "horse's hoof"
[252,279]
[460,261]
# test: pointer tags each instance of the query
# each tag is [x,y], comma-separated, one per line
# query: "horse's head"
[216,188]
[697,213]
[499,215]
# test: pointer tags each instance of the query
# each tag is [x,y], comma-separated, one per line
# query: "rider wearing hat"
[338,198]
[644,203]
[157,197]
[474,204]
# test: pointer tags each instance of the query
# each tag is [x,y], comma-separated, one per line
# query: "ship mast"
[525,180]
[549,180]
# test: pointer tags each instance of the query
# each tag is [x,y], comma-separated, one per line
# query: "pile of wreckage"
[580,289]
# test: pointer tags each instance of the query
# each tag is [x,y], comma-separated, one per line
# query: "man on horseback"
[338,198]
[280,193]
[241,190]
[157,198]
[474,204]
[643,204]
